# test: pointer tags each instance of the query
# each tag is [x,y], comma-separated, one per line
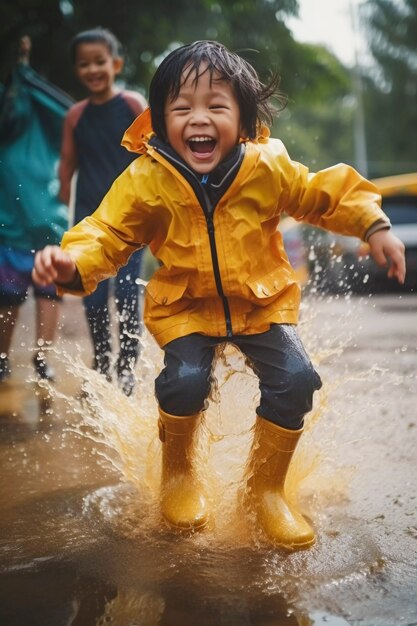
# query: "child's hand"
[384,244]
[52,265]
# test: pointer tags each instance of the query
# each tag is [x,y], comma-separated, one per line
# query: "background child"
[32,112]
[91,145]
[207,196]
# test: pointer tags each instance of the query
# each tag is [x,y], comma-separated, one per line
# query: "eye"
[218,106]
[180,109]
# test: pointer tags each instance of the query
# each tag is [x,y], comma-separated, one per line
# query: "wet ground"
[81,542]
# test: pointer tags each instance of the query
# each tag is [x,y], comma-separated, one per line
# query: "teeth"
[201,139]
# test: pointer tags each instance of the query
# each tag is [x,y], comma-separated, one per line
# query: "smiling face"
[203,122]
[96,69]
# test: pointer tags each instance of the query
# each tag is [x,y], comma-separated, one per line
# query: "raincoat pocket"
[167,296]
[166,307]
[267,287]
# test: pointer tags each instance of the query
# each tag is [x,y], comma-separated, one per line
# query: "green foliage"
[391,93]
[147,30]
[316,126]
[315,81]
[318,135]
[44,21]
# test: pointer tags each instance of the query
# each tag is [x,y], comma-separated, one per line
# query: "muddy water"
[81,542]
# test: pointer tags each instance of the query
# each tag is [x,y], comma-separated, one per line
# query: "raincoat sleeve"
[103,242]
[338,198]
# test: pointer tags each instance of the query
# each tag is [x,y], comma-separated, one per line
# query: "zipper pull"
[204,179]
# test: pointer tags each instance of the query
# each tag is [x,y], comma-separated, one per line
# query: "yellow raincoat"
[230,275]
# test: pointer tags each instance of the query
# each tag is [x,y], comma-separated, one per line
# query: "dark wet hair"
[252,95]
[96,35]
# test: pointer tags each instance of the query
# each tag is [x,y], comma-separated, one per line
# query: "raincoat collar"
[215,178]
[138,134]
[215,183]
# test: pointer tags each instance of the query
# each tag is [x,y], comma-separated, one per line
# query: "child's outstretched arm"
[53,266]
[384,247]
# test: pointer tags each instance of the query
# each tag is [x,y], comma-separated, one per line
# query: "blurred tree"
[391,92]
[150,30]
[44,21]
[316,127]
[318,116]
[146,29]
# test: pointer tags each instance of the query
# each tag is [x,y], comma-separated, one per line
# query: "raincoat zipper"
[215,261]
[208,211]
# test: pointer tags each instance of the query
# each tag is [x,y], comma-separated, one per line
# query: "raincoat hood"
[32,112]
[138,134]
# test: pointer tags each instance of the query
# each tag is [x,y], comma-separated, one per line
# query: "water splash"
[118,519]
[125,433]
[146,608]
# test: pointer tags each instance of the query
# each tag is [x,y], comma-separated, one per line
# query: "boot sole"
[294,547]
[185,528]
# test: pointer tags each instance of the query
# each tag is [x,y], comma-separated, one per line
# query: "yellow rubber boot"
[183,499]
[270,457]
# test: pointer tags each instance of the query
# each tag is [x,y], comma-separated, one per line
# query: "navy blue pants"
[287,378]
[126,294]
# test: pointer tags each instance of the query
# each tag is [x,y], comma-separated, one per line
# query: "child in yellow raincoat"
[206,195]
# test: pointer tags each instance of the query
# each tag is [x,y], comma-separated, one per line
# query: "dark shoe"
[125,367]
[127,381]
[5,370]
[102,365]
[43,370]
[103,368]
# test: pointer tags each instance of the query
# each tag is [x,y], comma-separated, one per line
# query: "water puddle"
[81,539]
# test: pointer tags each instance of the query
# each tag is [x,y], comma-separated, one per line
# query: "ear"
[243,132]
[118,63]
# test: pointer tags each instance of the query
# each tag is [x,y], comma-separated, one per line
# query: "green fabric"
[32,112]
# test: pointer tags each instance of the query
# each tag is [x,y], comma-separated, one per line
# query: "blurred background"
[348,67]
[351,97]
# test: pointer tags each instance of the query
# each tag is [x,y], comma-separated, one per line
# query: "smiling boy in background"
[93,131]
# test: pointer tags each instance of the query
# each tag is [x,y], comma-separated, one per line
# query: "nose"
[199,116]
[93,67]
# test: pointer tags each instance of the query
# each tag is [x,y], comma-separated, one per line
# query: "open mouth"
[202,145]
[95,81]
